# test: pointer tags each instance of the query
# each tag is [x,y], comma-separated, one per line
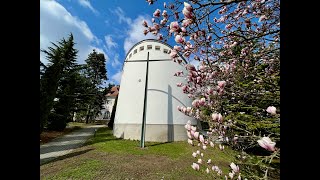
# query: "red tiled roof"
[114,91]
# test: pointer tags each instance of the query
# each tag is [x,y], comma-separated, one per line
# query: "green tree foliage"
[61,57]
[96,72]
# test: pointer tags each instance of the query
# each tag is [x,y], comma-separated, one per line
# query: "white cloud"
[115,63]
[121,16]
[135,33]
[57,23]
[87,4]
[117,77]
[109,42]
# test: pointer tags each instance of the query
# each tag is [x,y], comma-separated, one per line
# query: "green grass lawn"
[107,157]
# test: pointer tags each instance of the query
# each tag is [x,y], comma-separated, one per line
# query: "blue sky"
[109,26]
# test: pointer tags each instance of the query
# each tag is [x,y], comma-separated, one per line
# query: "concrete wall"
[163,96]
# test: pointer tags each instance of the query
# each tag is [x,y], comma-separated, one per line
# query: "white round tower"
[163,120]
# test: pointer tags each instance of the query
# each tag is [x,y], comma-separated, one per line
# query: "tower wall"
[163,121]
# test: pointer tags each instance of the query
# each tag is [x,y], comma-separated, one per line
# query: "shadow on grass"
[150,144]
[54,159]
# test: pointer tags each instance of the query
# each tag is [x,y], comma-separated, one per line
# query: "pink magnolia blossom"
[189,134]
[262,18]
[229,26]
[231,175]
[164,14]
[204,147]
[209,161]
[201,154]
[202,101]
[187,126]
[186,22]
[195,166]
[267,144]
[179,39]
[145,32]
[195,103]
[198,151]
[157,13]
[193,128]
[201,138]
[184,88]
[144,23]
[183,29]
[221,84]
[150,1]
[190,141]
[196,135]
[174,26]
[272,110]
[221,147]
[194,154]
[188,109]
[187,14]
[188,6]
[173,54]
[207,170]
[160,37]
[214,116]
[163,21]
[239,177]
[177,48]
[200,161]
[234,167]
[179,84]
[220,118]
[211,144]
[215,168]
[192,133]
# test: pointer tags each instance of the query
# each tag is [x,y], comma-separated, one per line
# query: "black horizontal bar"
[149,60]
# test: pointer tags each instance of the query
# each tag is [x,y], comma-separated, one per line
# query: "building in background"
[108,105]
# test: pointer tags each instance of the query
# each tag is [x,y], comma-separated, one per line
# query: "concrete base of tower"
[154,132]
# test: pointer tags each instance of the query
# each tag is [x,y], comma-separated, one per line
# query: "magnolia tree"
[235,87]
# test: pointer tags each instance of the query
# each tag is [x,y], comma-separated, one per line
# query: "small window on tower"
[130,55]
[141,48]
[135,51]
[149,47]
[165,51]
[157,48]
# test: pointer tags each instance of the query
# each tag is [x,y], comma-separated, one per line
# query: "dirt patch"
[115,166]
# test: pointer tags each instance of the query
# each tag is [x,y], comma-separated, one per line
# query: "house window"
[165,51]
[135,51]
[149,46]
[157,48]
[169,51]
[141,48]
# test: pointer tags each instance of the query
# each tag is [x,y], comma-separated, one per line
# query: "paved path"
[65,144]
